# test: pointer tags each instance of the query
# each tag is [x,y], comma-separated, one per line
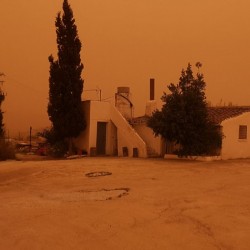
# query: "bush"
[58,149]
[7,150]
[184,119]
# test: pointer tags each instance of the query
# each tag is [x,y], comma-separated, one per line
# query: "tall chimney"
[151,105]
[152,89]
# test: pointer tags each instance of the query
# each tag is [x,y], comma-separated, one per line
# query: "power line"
[111,97]
[18,83]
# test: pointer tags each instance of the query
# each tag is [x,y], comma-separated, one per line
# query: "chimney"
[151,105]
[152,89]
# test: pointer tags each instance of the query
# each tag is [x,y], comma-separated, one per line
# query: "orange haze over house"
[125,43]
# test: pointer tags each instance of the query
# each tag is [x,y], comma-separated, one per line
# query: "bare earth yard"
[144,204]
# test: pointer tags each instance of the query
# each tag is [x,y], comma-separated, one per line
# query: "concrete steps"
[127,136]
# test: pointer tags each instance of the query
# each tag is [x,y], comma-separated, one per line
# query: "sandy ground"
[144,204]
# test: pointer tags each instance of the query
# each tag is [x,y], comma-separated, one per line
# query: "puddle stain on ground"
[98,174]
[91,195]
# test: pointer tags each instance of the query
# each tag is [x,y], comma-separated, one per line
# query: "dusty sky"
[125,43]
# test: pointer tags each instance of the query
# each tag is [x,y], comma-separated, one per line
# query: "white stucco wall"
[146,133]
[94,111]
[111,143]
[99,112]
[232,146]
[151,106]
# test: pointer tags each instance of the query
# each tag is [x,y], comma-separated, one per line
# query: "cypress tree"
[2,97]
[65,81]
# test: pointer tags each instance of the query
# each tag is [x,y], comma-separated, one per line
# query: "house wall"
[232,146]
[154,144]
[99,112]
[94,112]
[112,144]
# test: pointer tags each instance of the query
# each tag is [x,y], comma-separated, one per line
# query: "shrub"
[7,150]
[57,147]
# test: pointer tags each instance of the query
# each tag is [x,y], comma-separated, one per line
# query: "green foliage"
[65,82]
[58,149]
[2,132]
[7,150]
[58,146]
[49,135]
[184,117]
[2,97]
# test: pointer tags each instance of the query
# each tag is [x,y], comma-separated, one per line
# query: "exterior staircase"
[127,136]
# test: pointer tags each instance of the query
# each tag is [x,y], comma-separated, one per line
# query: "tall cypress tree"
[2,97]
[65,82]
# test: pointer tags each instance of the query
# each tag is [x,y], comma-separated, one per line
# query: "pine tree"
[65,82]
[184,117]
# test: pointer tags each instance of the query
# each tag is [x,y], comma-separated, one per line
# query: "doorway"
[101,138]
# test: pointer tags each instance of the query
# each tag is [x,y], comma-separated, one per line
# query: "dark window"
[242,132]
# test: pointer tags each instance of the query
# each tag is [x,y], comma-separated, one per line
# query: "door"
[101,138]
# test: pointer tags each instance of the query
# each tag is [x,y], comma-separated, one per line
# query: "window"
[242,132]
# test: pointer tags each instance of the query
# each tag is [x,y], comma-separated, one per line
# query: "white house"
[108,132]
[112,130]
[235,124]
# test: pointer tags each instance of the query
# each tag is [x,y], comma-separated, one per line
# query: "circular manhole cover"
[98,174]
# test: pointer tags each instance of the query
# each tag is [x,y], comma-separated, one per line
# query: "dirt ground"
[142,204]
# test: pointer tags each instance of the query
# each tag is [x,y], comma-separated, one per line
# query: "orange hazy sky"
[125,43]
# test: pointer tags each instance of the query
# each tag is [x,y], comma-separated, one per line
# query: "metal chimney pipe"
[152,89]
